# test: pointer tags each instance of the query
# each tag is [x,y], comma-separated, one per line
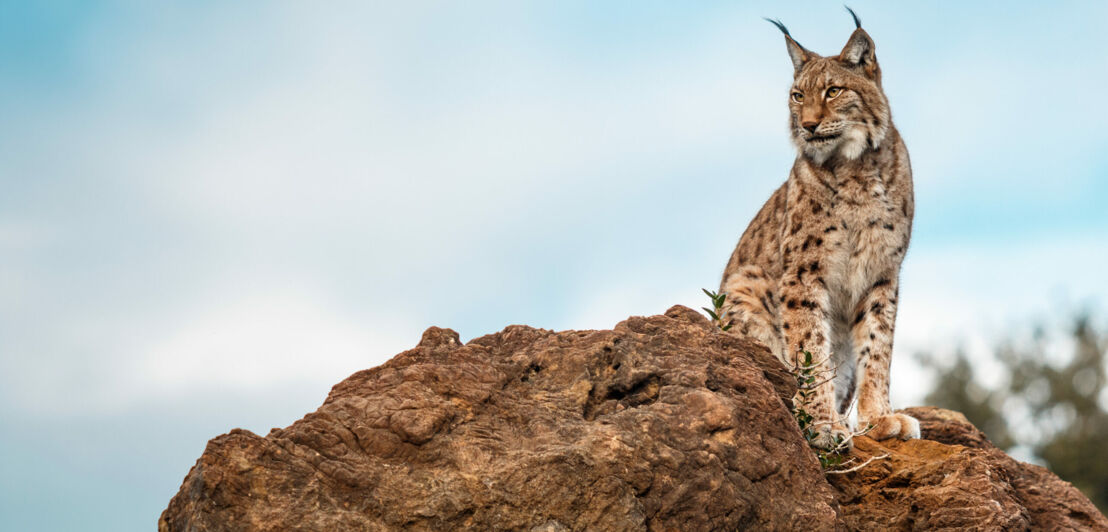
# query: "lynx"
[817,270]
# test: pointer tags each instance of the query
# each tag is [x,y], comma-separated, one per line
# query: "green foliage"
[1055,407]
[805,371]
[716,312]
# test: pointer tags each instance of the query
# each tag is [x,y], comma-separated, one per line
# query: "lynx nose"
[810,125]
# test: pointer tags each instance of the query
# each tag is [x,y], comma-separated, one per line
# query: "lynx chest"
[862,227]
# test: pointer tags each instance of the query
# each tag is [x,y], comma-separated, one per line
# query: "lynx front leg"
[751,308]
[872,332]
[807,329]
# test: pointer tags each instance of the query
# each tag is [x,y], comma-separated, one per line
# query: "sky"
[211,212]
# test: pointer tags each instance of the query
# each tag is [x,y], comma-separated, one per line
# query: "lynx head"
[836,104]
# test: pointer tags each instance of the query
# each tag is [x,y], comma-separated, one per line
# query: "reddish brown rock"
[954,478]
[663,423]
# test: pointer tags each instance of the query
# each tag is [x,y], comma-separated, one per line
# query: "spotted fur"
[818,268]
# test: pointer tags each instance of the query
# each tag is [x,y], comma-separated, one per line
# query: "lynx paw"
[892,426]
[831,437]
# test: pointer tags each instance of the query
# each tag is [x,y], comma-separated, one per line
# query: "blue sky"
[211,212]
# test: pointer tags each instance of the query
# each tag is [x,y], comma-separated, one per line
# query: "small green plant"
[832,460]
[806,376]
[717,308]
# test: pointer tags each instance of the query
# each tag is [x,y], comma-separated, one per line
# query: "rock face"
[954,478]
[663,423]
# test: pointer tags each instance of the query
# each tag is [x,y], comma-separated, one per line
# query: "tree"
[1064,401]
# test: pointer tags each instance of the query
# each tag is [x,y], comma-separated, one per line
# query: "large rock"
[663,423]
[954,478]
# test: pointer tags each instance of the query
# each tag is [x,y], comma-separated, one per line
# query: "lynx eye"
[833,92]
[798,97]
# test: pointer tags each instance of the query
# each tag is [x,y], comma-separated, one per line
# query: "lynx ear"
[859,50]
[796,52]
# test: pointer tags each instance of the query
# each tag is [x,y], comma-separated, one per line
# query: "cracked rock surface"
[663,423]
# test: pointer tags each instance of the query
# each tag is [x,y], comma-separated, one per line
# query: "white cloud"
[279,341]
[987,288]
[349,150]
[266,342]
[974,295]
[645,292]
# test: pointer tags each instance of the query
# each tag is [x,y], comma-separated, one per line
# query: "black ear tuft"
[780,26]
[857,23]
[797,52]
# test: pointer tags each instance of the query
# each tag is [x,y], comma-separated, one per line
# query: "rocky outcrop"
[953,478]
[663,423]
